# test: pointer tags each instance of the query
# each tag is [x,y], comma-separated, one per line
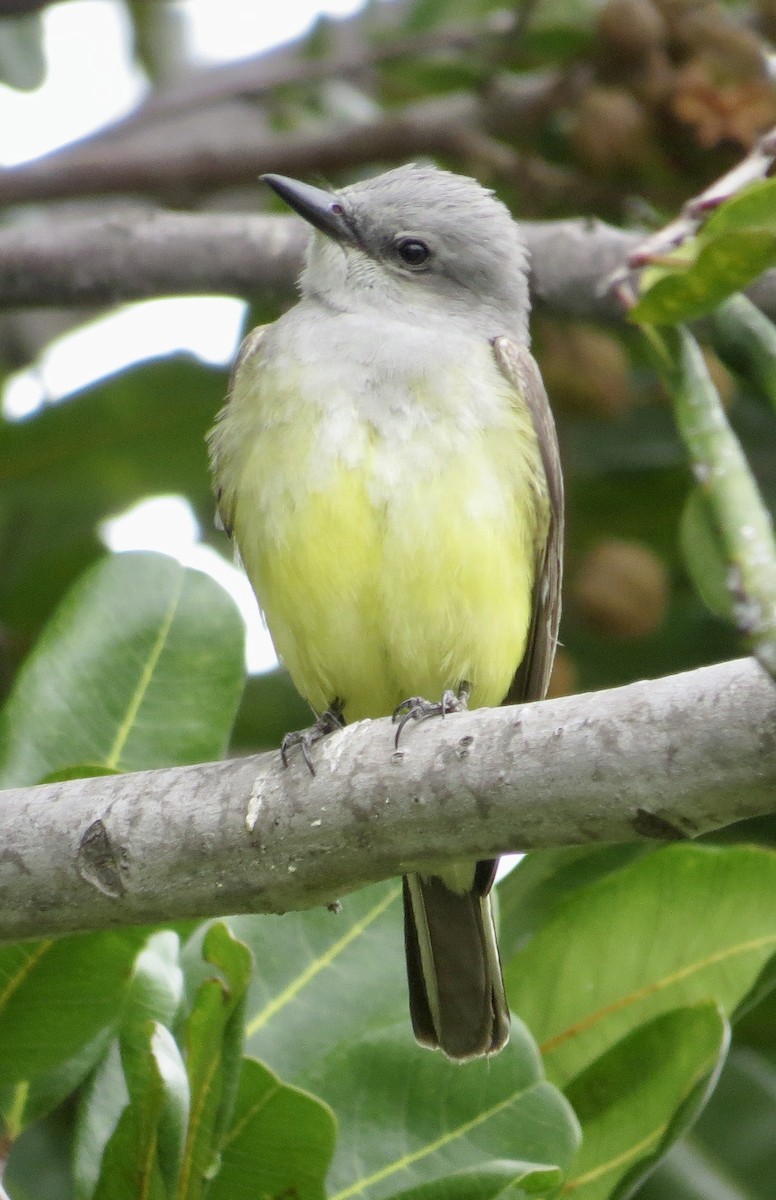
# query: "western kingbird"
[387,463]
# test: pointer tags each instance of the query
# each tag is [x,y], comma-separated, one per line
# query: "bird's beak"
[322,209]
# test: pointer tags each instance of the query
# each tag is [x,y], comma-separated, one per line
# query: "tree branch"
[134,254]
[669,758]
[355,54]
[186,157]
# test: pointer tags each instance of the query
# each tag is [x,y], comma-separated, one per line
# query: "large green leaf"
[141,666]
[731,1152]
[500,1178]
[39,1163]
[56,997]
[408,1116]
[103,1099]
[639,1096]
[321,978]
[544,879]
[327,1005]
[68,467]
[156,988]
[129,1165]
[279,1141]
[685,924]
[28,1100]
[689,1173]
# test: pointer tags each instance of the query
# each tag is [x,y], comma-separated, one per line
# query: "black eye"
[413,252]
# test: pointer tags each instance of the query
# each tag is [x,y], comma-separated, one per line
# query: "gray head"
[416,241]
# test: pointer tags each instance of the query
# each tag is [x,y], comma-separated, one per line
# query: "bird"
[387,464]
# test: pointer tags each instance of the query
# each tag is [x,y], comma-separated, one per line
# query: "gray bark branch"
[141,253]
[668,758]
[190,155]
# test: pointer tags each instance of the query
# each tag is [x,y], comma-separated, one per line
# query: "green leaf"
[140,667]
[174,1121]
[731,1152]
[73,464]
[235,961]
[101,1105]
[156,988]
[754,207]
[22,62]
[56,997]
[152,1003]
[685,924]
[153,994]
[39,1163]
[78,771]
[737,243]
[28,1100]
[689,1173]
[214,1035]
[322,977]
[270,706]
[544,879]
[133,1117]
[494,1179]
[130,1165]
[279,1141]
[329,984]
[407,1115]
[704,555]
[637,1098]
[722,267]
[159,1092]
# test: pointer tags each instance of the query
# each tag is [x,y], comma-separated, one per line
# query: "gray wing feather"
[533,675]
[248,348]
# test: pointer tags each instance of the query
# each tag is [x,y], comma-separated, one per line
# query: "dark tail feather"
[457,999]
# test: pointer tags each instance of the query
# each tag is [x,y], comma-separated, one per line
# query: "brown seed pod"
[612,131]
[621,589]
[631,27]
[585,370]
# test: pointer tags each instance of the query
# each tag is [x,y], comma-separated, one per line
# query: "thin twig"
[757,165]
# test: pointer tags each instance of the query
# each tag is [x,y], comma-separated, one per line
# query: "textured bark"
[664,759]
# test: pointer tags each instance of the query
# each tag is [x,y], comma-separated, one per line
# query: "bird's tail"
[457,999]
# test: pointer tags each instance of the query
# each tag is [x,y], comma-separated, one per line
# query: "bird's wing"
[533,675]
[248,349]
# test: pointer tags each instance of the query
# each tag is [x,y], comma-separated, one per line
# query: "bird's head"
[417,242]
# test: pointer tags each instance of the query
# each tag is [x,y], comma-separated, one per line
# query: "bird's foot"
[305,739]
[416,708]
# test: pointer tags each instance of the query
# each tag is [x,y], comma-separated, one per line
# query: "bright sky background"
[91,81]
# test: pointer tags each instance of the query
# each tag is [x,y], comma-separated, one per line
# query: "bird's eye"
[413,252]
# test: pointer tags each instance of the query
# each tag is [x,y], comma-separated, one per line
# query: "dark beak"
[322,209]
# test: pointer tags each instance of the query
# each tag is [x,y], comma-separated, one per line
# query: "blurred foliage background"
[620,110]
[570,109]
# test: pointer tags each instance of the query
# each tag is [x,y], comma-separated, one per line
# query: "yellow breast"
[391,540]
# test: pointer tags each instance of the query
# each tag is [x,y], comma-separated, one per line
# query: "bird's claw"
[416,708]
[305,739]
